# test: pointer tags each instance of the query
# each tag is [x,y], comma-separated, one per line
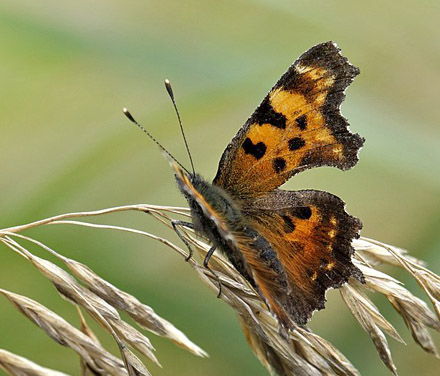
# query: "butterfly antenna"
[171,94]
[131,118]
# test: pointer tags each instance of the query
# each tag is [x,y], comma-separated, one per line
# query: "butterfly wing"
[297,126]
[311,235]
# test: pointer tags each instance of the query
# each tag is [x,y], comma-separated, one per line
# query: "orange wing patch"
[311,234]
[297,126]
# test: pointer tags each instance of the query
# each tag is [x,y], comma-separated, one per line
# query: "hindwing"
[311,235]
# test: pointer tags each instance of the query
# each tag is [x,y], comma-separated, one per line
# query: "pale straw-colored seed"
[97,358]
[141,313]
[368,321]
[377,254]
[97,308]
[15,365]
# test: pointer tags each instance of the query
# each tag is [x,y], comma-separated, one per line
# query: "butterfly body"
[291,246]
[218,218]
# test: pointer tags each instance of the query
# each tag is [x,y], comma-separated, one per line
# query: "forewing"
[311,235]
[297,126]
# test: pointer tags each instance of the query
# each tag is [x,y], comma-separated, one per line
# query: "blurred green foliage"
[67,69]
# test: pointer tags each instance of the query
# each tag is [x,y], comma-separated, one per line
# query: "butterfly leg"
[205,264]
[176,224]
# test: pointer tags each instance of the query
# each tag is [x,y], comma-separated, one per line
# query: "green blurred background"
[67,69]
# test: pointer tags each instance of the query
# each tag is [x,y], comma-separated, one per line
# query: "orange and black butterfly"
[291,246]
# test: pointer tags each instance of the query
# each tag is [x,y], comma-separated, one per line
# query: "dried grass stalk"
[369,318]
[298,352]
[16,365]
[104,312]
[96,357]
[141,313]
[97,308]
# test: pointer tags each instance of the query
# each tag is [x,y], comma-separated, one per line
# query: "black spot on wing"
[265,114]
[289,226]
[258,150]
[301,212]
[296,143]
[279,165]
[301,122]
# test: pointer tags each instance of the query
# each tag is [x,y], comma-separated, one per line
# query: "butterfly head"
[193,186]
[185,180]
[206,200]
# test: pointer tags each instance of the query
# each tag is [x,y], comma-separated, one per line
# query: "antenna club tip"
[169,88]
[129,116]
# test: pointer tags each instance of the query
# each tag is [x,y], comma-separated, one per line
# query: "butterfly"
[291,246]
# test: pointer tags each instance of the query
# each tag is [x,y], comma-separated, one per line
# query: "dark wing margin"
[311,234]
[297,126]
